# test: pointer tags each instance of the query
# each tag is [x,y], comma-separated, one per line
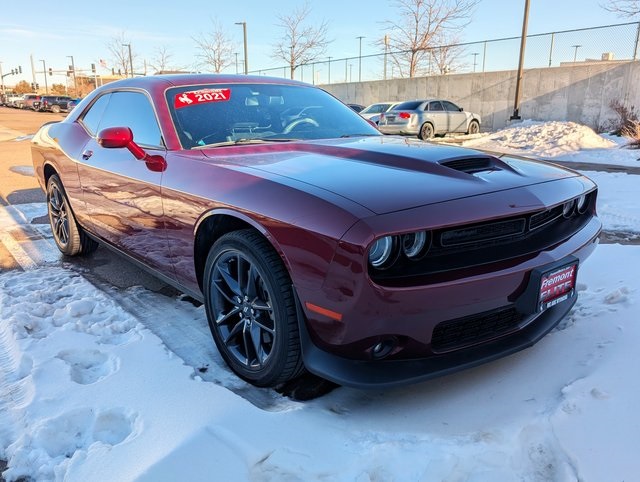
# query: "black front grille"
[540,219]
[474,329]
[482,232]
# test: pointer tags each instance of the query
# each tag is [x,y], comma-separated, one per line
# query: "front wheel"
[69,237]
[251,309]
[55,109]
[426,131]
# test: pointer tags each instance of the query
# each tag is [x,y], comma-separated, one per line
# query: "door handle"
[87,154]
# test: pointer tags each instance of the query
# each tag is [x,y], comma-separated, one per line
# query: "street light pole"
[575,52]
[329,82]
[44,71]
[523,43]
[246,55]
[130,58]
[73,70]
[236,63]
[360,59]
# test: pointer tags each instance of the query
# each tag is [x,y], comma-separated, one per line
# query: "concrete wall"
[578,92]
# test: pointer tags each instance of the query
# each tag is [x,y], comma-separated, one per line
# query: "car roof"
[177,80]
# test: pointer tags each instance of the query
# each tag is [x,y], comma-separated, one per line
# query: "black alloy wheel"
[67,234]
[251,309]
[426,131]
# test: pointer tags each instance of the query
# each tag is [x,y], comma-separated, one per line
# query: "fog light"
[383,348]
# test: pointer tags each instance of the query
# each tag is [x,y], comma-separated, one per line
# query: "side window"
[91,120]
[133,110]
[435,106]
[450,106]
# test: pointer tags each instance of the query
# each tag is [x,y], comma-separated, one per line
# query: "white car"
[372,112]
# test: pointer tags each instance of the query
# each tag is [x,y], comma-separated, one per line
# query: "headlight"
[381,251]
[567,208]
[582,203]
[414,245]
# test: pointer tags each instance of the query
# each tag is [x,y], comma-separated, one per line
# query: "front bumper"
[367,374]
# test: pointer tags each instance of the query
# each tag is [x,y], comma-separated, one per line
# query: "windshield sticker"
[201,97]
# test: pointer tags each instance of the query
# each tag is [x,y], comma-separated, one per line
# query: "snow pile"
[87,392]
[544,139]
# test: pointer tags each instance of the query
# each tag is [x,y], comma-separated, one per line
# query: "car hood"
[387,174]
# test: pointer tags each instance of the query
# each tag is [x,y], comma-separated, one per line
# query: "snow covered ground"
[100,384]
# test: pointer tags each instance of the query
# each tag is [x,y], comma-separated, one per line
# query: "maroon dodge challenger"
[314,241]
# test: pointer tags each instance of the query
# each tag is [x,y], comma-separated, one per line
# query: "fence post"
[551,47]
[635,48]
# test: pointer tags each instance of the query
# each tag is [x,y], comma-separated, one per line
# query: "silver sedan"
[429,117]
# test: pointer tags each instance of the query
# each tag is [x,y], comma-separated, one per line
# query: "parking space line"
[15,249]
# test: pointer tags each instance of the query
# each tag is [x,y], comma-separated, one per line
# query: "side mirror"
[119,137]
[460,109]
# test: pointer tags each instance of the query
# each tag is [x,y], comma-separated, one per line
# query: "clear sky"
[83,29]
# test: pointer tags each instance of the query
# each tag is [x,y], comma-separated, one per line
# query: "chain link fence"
[596,44]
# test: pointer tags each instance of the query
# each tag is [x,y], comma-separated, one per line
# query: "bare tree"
[120,47]
[421,24]
[301,43]
[215,49]
[160,60]
[623,8]
[446,54]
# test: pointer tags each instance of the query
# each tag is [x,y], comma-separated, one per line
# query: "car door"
[457,118]
[438,116]
[122,193]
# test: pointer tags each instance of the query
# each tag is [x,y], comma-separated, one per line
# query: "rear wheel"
[474,127]
[67,234]
[55,109]
[426,131]
[251,309]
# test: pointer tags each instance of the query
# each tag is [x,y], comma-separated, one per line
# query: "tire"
[69,237]
[426,131]
[251,309]
[55,109]
[474,127]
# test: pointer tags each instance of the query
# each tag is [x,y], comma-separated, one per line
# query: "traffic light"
[13,72]
[33,86]
[50,71]
[19,69]
[37,86]
[93,68]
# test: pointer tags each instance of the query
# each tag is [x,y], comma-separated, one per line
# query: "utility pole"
[523,43]
[575,52]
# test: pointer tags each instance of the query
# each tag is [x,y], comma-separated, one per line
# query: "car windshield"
[219,115]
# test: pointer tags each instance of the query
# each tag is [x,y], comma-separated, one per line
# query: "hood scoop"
[471,165]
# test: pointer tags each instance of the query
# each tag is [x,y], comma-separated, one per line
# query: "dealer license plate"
[557,286]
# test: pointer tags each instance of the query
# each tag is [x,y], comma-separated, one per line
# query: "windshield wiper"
[243,141]
[359,135]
